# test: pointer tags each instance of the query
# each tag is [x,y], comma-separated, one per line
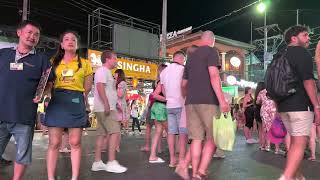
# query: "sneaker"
[219,156]
[65,150]
[282,178]
[115,167]
[301,178]
[249,141]
[280,152]
[98,166]
[268,148]
[252,141]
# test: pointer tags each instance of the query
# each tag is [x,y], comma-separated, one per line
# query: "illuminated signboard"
[175,34]
[132,68]
[232,90]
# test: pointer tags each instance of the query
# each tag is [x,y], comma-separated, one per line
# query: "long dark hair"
[132,103]
[246,91]
[121,76]
[57,58]
[259,88]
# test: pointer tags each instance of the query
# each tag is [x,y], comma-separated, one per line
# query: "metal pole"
[164,29]
[251,33]
[223,67]
[265,58]
[99,29]
[250,67]
[297,16]
[89,26]
[25,10]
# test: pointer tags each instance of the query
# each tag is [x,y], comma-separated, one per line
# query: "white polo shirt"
[171,78]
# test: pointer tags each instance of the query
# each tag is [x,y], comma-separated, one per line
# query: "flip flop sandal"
[311,159]
[200,176]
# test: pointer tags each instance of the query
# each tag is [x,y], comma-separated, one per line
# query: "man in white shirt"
[170,79]
[105,100]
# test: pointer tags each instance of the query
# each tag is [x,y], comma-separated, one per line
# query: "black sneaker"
[5,162]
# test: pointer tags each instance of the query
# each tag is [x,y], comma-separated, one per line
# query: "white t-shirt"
[104,75]
[171,78]
[134,111]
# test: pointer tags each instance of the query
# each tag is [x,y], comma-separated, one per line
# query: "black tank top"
[161,94]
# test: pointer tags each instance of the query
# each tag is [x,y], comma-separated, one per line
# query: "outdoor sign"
[138,69]
[232,90]
[242,83]
[175,34]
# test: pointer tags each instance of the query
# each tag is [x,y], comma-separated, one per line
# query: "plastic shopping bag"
[224,132]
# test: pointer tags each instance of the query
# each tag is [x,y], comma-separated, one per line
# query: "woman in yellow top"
[67,109]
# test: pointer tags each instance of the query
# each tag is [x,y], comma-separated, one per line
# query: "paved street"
[244,163]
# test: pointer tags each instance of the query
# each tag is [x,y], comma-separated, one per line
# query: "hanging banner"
[138,69]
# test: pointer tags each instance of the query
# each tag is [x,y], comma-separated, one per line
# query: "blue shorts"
[23,135]
[174,116]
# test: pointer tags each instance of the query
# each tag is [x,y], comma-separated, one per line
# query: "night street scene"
[159,90]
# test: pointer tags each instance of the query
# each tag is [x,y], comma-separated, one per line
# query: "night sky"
[55,16]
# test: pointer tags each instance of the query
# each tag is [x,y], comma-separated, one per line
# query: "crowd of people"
[187,97]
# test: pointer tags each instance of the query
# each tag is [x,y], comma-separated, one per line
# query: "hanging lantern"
[134,83]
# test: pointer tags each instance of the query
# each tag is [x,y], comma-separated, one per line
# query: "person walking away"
[159,114]
[202,86]
[170,79]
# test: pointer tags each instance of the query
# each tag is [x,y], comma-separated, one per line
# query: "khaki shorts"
[200,120]
[107,124]
[298,123]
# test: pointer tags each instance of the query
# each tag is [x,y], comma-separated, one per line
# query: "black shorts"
[257,114]
[249,114]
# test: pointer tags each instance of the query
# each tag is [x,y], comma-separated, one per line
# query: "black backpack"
[280,79]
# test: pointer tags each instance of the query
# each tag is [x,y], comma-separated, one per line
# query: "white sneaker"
[302,178]
[115,167]
[249,141]
[283,178]
[219,156]
[252,141]
[98,166]
[65,150]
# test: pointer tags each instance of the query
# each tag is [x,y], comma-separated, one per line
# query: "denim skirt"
[66,110]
